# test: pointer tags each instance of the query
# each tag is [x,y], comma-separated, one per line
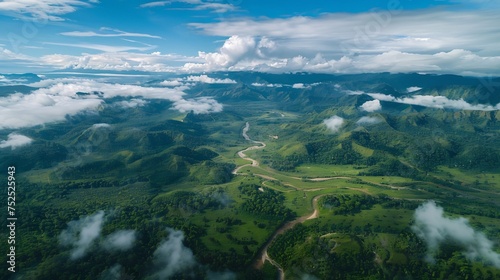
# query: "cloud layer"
[431,101]
[40,107]
[60,98]
[15,140]
[440,102]
[435,229]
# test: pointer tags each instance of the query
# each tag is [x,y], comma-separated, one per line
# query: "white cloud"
[121,240]
[6,54]
[431,40]
[190,80]
[435,229]
[439,102]
[193,5]
[334,123]
[116,33]
[232,51]
[371,106]
[26,110]
[430,101]
[60,99]
[208,80]
[100,125]
[111,90]
[202,105]
[43,9]
[266,85]
[9,81]
[81,234]
[119,61]
[370,32]
[15,140]
[171,83]
[298,85]
[413,89]
[132,103]
[367,120]
[354,92]
[387,40]
[172,256]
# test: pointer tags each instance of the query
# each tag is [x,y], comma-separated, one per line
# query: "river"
[262,256]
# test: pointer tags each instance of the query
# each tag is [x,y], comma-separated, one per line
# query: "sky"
[200,36]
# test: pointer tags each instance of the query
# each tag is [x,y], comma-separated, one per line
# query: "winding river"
[262,256]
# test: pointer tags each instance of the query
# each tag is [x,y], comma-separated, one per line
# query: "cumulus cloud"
[237,53]
[202,105]
[234,49]
[172,257]
[81,234]
[298,85]
[435,229]
[371,106]
[334,123]
[367,120]
[413,89]
[15,140]
[207,80]
[456,61]
[121,240]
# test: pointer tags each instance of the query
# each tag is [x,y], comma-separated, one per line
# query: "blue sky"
[459,36]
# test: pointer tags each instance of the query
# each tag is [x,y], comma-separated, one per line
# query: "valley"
[272,176]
